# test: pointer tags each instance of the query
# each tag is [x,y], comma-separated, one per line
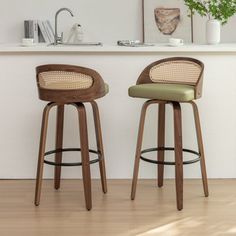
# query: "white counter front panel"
[21,113]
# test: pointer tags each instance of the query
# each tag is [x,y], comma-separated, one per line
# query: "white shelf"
[221,48]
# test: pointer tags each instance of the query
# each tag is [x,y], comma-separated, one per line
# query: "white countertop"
[220,48]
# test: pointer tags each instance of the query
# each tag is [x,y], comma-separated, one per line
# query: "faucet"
[59,39]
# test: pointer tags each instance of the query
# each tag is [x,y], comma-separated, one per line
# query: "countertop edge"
[220,48]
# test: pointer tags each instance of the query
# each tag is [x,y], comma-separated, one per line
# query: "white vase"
[213,29]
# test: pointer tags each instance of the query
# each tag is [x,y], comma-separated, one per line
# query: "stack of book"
[40,31]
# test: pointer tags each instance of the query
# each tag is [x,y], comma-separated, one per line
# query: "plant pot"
[213,29]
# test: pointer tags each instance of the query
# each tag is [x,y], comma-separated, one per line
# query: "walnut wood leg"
[138,148]
[98,131]
[59,144]
[201,148]
[161,142]
[178,155]
[41,152]
[85,155]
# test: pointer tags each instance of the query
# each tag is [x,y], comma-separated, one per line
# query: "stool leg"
[200,147]
[161,142]
[59,144]
[138,149]
[85,155]
[98,131]
[42,145]
[178,155]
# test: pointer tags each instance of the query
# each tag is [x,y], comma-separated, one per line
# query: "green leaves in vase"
[220,10]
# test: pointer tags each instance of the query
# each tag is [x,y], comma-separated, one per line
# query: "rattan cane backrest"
[64,80]
[175,70]
[68,83]
[179,72]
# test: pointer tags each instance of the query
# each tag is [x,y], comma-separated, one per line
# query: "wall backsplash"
[102,20]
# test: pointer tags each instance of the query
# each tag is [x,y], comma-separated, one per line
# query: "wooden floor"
[62,213]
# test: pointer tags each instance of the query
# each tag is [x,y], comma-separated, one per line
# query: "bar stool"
[170,81]
[70,85]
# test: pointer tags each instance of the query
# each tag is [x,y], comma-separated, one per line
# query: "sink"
[78,44]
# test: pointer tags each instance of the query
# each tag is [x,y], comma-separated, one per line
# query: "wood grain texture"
[200,148]
[85,154]
[178,148]
[161,142]
[139,146]
[42,146]
[84,146]
[153,213]
[98,131]
[59,145]
[178,154]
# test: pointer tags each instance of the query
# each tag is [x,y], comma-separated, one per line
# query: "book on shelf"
[50,29]
[50,34]
[40,31]
[43,31]
[31,30]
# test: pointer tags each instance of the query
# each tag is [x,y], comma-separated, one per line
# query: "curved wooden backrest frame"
[144,77]
[97,89]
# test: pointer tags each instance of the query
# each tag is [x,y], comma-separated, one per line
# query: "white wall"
[102,20]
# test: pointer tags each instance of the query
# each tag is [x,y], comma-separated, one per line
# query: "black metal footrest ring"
[70,150]
[169,162]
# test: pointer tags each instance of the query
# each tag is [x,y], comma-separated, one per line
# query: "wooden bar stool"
[70,85]
[170,81]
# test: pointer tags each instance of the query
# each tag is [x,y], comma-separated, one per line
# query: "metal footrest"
[70,150]
[169,162]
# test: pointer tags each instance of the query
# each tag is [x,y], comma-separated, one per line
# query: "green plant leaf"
[220,10]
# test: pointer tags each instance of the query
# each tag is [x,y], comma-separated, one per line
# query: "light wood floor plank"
[63,213]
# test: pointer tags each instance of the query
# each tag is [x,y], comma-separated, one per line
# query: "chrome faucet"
[59,39]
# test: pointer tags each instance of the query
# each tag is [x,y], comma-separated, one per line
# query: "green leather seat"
[106,88]
[166,92]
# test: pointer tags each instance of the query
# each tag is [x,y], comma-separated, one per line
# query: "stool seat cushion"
[166,92]
[106,88]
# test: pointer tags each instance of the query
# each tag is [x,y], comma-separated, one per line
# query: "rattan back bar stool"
[170,81]
[70,85]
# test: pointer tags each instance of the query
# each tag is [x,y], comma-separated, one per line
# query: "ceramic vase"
[213,29]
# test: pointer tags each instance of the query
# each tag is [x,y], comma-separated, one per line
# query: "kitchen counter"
[21,110]
[221,48]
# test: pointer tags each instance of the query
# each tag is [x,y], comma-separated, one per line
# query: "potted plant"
[218,13]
